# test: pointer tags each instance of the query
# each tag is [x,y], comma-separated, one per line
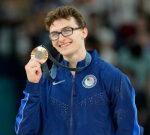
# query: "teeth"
[63,45]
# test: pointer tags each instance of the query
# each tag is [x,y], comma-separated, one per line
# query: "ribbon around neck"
[53,72]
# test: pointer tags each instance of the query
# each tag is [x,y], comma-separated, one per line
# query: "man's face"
[71,44]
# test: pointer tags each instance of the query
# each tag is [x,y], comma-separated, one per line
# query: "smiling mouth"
[65,45]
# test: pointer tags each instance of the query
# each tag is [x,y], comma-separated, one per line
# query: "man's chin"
[66,53]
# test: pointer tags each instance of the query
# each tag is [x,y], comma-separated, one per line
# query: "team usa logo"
[89,81]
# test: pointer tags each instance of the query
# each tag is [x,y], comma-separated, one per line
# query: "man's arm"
[124,108]
[28,120]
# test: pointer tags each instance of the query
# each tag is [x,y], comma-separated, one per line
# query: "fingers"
[33,65]
[36,60]
[33,70]
[33,62]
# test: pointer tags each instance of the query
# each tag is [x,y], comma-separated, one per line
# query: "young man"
[99,100]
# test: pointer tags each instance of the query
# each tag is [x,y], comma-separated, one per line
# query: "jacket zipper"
[71,112]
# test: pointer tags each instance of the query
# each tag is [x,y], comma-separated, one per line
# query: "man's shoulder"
[110,72]
[106,69]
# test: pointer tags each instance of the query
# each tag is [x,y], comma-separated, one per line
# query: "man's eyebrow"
[61,29]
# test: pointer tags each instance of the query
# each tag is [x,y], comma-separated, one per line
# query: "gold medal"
[40,53]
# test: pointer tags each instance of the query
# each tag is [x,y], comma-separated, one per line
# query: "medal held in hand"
[40,53]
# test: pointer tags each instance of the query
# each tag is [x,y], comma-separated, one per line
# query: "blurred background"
[118,29]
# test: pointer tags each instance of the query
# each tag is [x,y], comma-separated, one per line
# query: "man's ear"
[84,32]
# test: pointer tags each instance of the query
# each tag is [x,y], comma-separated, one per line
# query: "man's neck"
[75,58]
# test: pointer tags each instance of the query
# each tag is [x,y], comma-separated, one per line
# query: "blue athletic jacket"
[98,101]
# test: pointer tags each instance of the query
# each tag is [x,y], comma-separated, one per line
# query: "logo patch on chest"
[89,81]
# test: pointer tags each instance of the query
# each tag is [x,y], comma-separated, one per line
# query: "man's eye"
[54,34]
[66,31]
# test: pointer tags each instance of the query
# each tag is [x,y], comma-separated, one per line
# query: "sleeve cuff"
[32,88]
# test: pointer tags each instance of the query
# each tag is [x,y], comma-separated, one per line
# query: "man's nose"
[61,37]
